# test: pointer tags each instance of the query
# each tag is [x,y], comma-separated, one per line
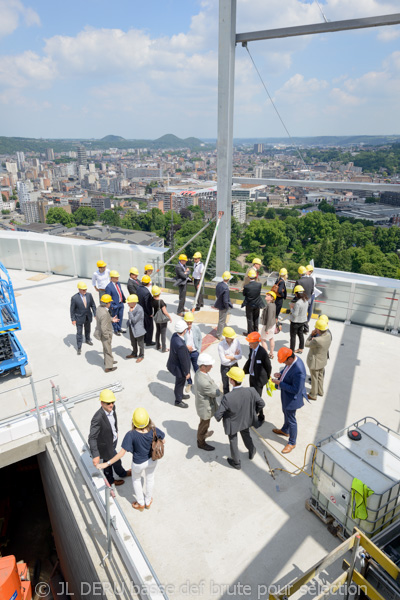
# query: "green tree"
[110,217]
[85,216]
[324,207]
[57,214]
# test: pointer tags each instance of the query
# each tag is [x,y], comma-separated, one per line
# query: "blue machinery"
[12,354]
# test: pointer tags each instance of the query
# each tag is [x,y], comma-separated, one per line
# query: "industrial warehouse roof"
[209,526]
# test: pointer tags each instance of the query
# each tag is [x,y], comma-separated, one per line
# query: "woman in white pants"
[138,441]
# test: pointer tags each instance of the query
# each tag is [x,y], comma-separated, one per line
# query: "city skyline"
[81,70]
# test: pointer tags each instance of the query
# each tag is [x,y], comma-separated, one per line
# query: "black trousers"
[296,329]
[137,344]
[182,298]
[79,327]
[148,325]
[178,389]
[225,379]
[200,299]
[252,316]
[161,331]
[118,468]
[278,306]
[259,389]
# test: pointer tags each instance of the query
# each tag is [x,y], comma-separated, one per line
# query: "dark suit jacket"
[238,409]
[308,285]
[181,278]
[222,301]
[262,367]
[179,358]
[133,285]
[292,387]
[101,436]
[145,299]
[252,295]
[110,289]
[78,310]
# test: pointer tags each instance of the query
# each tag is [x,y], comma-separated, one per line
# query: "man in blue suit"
[118,299]
[291,383]
[179,363]
[222,301]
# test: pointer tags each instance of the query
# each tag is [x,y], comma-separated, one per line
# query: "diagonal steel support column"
[226,79]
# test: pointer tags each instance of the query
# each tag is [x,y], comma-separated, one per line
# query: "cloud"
[388,34]
[12,12]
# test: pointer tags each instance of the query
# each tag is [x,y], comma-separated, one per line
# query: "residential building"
[20,161]
[49,154]
[238,209]
[81,156]
[100,204]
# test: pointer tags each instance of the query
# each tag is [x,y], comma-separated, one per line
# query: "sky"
[141,69]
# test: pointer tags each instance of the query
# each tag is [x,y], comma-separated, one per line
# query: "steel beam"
[226,80]
[330,27]
[313,183]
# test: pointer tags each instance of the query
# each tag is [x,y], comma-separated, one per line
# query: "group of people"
[237,406]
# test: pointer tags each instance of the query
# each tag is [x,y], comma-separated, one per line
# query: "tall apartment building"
[81,156]
[20,161]
[49,154]
[132,172]
[12,168]
[238,210]
[258,148]
[100,204]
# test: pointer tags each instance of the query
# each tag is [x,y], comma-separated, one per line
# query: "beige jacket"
[206,390]
[104,323]
[318,350]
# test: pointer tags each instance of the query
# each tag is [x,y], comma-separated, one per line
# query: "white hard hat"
[180,326]
[205,359]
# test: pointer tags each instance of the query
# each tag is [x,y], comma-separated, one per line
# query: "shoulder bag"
[157,446]
[160,317]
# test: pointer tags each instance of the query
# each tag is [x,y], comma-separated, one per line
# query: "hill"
[112,138]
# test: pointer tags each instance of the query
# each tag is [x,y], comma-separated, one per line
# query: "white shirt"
[253,360]
[101,280]
[198,270]
[189,338]
[224,349]
[111,419]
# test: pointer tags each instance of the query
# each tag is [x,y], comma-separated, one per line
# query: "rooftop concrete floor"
[210,526]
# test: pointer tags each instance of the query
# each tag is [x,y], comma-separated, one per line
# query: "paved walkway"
[210,526]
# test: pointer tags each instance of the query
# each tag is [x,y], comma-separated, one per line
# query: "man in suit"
[222,301]
[238,409]
[179,363]
[103,437]
[181,279]
[145,300]
[318,342]
[258,366]
[307,283]
[252,301]
[133,281]
[81,309]
[114,290]
[291,383]
[206,392]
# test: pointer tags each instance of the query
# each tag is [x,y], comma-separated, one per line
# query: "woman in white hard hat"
[139,441]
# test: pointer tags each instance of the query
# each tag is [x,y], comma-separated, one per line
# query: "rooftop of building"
[209,525]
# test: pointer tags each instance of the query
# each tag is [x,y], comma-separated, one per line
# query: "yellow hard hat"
[114,274]
[134,271]
[322,324]
[197,255]
[309,268]
[183,257]
[132,298]
[236,373]
[188,317]
[106,298]
[140,418]
[323,318]
[101,263]
[146,279]
[148,268]
[302,270]
[226,275]
[82,285]
[229,332]
[283,271]
[271,293]
[252,274]
[256,261]
[298,289]
[107,396]
[155,290]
